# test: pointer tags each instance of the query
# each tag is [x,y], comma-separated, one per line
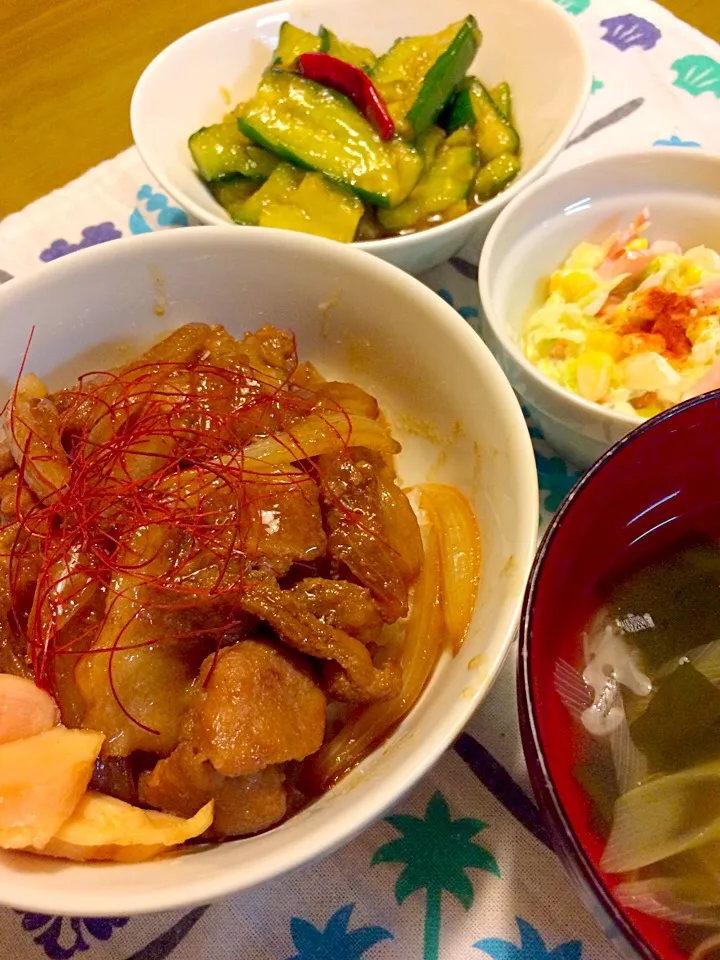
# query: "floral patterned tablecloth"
[463,868]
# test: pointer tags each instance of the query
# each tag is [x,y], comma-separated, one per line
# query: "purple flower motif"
[630,31]
[90,236]
[58,942]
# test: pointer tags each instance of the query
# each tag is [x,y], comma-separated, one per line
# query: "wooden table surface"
[68,68]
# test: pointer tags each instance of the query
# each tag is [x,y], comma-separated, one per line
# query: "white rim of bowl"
[403,776]
[387,244]
[485,282]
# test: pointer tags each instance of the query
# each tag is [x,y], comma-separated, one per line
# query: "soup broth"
[646,698]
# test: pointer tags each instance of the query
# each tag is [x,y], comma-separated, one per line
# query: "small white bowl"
[532,44]
[449,404]
[538,230]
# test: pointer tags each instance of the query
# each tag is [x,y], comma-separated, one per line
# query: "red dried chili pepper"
[354,83]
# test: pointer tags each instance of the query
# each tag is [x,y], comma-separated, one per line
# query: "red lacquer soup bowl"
[658,487]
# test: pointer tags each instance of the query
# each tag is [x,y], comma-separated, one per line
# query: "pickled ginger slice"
[42,778]
[103,828]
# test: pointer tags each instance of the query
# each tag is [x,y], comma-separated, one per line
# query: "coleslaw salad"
[630,325]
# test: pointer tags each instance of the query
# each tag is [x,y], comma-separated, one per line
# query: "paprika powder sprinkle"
[667,314]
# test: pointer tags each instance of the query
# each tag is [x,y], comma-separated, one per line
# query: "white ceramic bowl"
[451,407]
[535,233]
[532,44]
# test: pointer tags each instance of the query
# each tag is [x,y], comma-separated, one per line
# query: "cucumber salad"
[344,144]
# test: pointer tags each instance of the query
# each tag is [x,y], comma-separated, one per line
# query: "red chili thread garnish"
[155,509]
[354,83]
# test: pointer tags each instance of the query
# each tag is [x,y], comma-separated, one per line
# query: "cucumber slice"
[494,134]
[292,41]
[316,206]
[319,129]
[495,176]
[232,194]
[502,98]
[277,188]
[222,150]
[473,104]
[418,74]
[361,57]
[429,143]
[445,184]
[458,111]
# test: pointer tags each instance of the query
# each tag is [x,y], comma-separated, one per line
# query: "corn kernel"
[594,371]
[692,274]
[574,285]
[606,341]
[650,411]
[697,327]
[640,243]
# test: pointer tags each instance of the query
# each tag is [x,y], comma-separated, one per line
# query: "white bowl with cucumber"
[313,116]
